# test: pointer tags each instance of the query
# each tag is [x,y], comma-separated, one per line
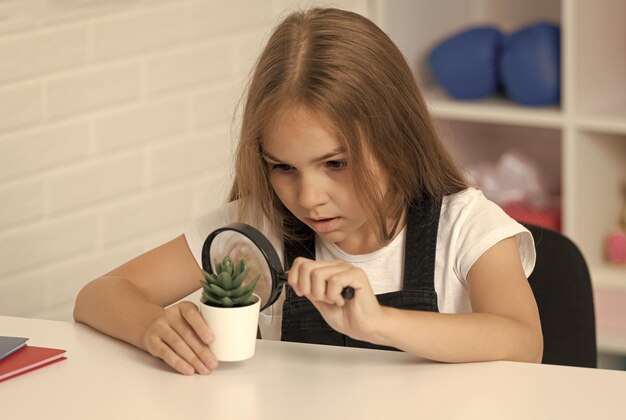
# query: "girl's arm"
[504,324]
[128,304]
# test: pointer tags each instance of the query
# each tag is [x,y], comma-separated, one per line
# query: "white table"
[107,379]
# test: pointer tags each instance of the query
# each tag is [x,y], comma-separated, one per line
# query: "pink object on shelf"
[549,218]
[615,247]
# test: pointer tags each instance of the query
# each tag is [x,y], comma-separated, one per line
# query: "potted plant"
[231,309]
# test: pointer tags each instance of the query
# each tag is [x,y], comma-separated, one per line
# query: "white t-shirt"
[469,225]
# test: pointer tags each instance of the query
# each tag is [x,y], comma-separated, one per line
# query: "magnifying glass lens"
[241,242]
[240,248]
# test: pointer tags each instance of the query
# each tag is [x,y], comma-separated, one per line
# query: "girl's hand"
[322,282]
[180,337]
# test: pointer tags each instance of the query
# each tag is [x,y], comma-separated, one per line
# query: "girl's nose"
[311,192]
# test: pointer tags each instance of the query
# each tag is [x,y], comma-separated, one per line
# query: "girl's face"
[308,172]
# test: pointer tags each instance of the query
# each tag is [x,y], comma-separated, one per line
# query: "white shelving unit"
[580,146]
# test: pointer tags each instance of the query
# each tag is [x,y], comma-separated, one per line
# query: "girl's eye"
[280,167]
[336,164]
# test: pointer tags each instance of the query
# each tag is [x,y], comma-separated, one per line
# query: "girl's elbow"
[534,340]
[78,305]
[534,349]
[85,299]
[529,347]
[538,349]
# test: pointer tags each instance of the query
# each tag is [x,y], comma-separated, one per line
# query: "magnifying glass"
[242,241]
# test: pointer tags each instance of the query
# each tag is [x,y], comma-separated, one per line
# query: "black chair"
[562,287]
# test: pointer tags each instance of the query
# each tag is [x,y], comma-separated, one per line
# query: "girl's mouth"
[323,225]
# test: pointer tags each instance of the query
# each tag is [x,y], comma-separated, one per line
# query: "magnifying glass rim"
[262,243]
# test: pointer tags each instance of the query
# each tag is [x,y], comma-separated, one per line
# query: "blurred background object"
[466,63]
[530,65]
[517,185]
[481,61]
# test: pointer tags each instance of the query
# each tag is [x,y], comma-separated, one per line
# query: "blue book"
[9,345]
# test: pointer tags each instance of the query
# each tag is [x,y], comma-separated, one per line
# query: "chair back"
[562,287]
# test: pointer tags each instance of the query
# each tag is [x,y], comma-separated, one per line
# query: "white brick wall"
[21,105]
[116,124]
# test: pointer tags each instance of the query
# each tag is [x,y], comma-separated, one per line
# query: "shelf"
[606,276]
[609,343]
[476,144]
[611,122]
[496,109]
[578,147]
[609,294]
[596,183]
[599,62]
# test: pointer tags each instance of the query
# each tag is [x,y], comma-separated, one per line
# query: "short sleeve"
[481,225]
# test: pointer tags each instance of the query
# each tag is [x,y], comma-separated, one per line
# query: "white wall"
[115,130]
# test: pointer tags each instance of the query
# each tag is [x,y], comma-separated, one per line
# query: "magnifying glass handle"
[347,293]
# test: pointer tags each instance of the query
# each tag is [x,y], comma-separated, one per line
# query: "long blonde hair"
[341,66]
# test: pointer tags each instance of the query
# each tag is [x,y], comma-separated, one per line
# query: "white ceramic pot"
[234,330]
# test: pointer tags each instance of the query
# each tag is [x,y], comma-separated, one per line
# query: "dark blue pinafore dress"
[303,323]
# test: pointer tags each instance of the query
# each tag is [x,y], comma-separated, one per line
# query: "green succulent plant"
[225,288]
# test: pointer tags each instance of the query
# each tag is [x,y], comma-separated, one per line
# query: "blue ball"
[466,64]
[530,65]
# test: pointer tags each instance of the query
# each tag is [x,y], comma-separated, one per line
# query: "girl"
[339,164]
